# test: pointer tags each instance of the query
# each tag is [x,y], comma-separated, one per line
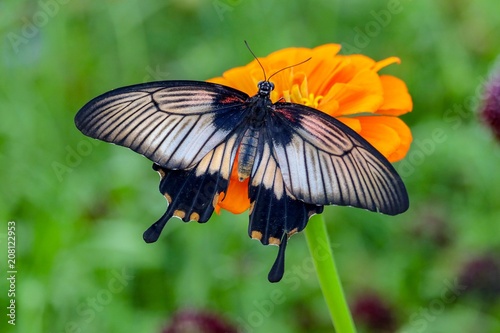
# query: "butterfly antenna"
[297,64]
[263,70]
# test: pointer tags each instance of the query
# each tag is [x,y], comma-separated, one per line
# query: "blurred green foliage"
[81,206]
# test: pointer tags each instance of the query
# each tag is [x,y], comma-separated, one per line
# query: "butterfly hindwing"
[275,214]
[274,211]
[325,162]
[173,123]
[192,194]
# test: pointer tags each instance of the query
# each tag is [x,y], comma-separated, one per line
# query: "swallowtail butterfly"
[297,158]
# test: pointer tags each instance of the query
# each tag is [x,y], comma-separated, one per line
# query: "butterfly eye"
[265,88]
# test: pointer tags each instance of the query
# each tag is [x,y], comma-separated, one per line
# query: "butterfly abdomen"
[259,108]
[247,152]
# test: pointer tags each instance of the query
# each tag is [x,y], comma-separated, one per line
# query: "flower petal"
[389,135]
[353,123]
[238,78]
[386,62]
[362,94]
[397,100]
[360,61]
[236,199]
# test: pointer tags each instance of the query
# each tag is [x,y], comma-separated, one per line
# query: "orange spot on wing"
[274,241]
[256,235]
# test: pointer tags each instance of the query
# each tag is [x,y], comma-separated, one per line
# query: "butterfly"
[297,159]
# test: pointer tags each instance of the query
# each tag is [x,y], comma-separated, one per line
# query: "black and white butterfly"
[297,158]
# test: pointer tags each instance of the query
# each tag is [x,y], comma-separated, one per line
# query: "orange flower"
[347,87]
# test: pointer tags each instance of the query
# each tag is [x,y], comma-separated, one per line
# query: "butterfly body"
[259,108]
[246,153]
[297,159]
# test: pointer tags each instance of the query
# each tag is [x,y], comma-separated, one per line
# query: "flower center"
[311,100]
[299,92]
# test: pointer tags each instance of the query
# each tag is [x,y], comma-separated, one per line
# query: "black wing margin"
[324,162]
[173,123]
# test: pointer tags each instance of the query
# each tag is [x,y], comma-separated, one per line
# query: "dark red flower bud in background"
[370,311]
[490,108]
[196,321]
[481,276]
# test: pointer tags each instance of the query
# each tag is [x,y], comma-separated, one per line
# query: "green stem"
[329,280]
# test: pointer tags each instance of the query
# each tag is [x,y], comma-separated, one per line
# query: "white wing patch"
[266,171]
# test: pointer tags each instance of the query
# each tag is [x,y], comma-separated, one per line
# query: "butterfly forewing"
[173,123]
[325,162]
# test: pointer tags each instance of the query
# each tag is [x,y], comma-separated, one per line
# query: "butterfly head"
[265,88]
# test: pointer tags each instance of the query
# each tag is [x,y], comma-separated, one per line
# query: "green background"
[81,206]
